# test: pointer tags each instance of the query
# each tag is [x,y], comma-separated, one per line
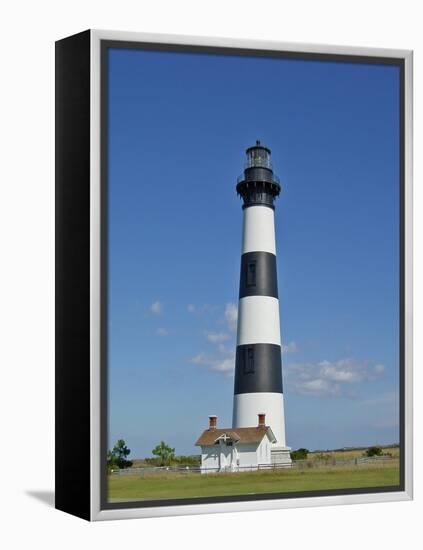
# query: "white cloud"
[319,386]
[156,308]
[328,379]
[231,316]
[223,363]
[291,347]
[223,358]
[341,371]
[162,332]
[379,368]
[226,366]
[217,337]
[199,359]
[191,308]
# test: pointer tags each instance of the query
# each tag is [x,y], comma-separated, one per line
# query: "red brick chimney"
[212,422]
[261,419]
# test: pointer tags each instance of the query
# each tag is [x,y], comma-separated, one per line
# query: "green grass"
[174,485]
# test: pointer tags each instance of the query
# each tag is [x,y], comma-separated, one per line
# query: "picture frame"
[82,249]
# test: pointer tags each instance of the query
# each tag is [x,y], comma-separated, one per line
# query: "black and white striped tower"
[258,366]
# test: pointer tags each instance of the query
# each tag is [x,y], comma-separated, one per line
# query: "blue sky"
[179,124]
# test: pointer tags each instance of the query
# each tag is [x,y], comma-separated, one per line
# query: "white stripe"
[258,320]
[247,406]
[259,230]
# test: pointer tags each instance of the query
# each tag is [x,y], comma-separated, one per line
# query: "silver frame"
[277,503]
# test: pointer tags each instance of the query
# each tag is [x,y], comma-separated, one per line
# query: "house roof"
[239,435]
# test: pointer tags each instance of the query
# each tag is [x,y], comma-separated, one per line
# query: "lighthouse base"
[280,457]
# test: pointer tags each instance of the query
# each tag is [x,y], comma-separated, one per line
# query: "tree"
[116,458]
[111,461]
[299,454]
[374,451]
[164,453]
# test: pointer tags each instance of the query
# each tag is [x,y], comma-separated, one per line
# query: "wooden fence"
[300,464]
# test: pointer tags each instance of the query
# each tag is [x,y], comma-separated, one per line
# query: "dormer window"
[226,439]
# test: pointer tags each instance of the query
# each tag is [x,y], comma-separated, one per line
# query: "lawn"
[181,485]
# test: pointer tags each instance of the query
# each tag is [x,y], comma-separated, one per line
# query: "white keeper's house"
[235,449]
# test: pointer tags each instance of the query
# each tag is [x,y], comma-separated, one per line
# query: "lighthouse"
[258,386]
[257,436]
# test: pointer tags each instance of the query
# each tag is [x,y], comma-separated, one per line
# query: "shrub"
[299,454]
[187,460]
[374,451]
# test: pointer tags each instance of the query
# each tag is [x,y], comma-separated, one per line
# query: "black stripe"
[258,368]
[258,275]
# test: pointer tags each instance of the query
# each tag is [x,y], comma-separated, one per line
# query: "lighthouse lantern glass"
[258,156]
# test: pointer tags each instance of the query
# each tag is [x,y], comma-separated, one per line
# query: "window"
[251,274]
[249,361]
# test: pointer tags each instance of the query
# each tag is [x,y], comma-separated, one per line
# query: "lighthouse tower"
[258,366]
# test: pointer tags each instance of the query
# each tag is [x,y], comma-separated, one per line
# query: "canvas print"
[252,275]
